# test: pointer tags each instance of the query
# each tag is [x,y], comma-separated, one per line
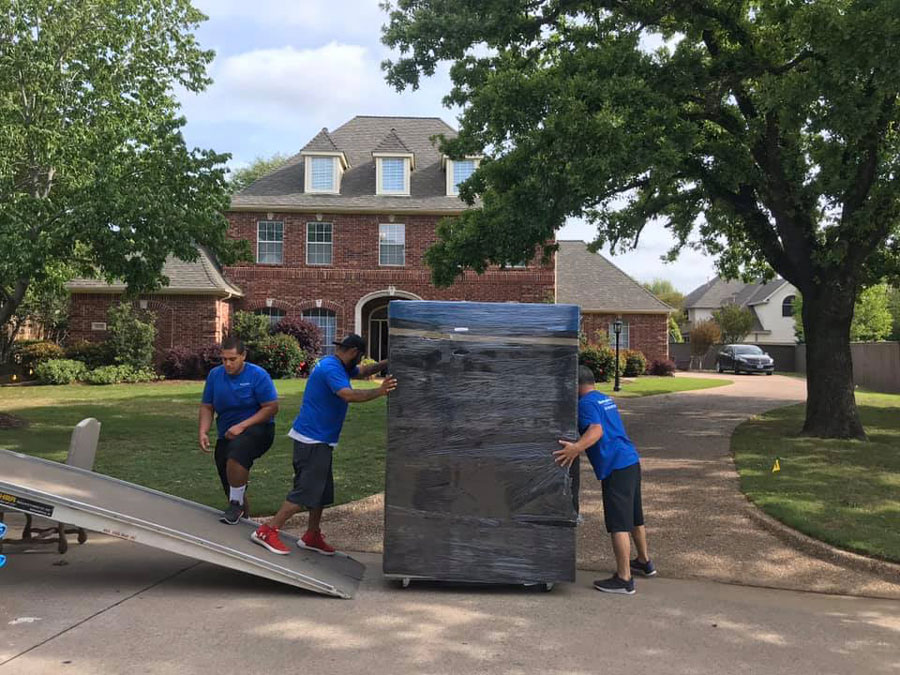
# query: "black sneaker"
[648,569]
[615,585]
[233,513]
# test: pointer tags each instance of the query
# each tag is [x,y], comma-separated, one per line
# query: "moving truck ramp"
[95,502]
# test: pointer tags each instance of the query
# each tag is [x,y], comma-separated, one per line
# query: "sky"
[285,68]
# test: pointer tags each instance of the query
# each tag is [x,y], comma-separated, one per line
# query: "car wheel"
[770,373]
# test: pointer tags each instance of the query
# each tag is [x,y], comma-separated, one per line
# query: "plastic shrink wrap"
[485,392]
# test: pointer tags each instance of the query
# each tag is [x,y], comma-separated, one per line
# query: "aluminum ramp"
[134,513]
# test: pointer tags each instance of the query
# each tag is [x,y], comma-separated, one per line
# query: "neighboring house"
[194,309]
[772,305]
[341,229]
[606,293]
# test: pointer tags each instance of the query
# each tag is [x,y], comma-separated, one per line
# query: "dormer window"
[322,174]
[458,171]
[324,165]
[392,174]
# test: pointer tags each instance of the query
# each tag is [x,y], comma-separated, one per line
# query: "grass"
[653,386]
[846,493]
[149,437]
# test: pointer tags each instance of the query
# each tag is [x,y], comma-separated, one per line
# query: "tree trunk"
[830,404]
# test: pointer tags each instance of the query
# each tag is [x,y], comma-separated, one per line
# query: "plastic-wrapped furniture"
[485,392]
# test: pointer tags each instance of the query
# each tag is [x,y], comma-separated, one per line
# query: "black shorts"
[243,449]
[622,507]
[313,479]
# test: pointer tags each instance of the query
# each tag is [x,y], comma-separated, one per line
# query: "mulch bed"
[12,422]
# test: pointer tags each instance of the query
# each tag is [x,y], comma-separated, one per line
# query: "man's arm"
[363,395]
[266,411]
[372,368]
[206,419]
[570,450]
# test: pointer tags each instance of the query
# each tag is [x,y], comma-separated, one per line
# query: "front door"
[378,334]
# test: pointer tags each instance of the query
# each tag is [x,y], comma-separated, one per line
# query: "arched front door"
[378,333]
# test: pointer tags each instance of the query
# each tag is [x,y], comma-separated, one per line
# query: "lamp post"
[617,328]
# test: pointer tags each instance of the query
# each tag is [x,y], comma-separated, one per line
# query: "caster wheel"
[82,537]
[546,588]
[404,583]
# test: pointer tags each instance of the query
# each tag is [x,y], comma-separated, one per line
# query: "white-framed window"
[391,244]
[462,169]
[322,174]
[319,243]
[326,320]
[273,313]
[393,175]
[270,242]
[624,336]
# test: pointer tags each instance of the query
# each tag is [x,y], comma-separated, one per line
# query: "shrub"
[704,335]
[30,354]
[249,327]
[280,355]
[602,361]
[308,337]
[663,368]
[131,335]
[92,354]
[184,363]
[60,371]
[635,363]
[118,374]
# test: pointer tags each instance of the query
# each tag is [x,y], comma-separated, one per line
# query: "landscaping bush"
[308,337]
[92,354]
[635,363]
[27,355]
[60,371]
[663,368]
[119,374]
[280,355]
[601,360]
[131,335]
[249,327]
[184,363]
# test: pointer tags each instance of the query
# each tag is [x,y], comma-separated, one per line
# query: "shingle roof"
[593,282]
[392,143]
[201,277]
[322,142]
[718,292]
[358,138]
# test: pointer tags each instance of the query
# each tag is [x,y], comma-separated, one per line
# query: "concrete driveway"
[117,607]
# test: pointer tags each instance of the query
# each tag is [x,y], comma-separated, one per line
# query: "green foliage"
[704,334]
[95,174]
[280,355]
[872,317]
[92,354]
[674,330]
[601,360]
[249,327]
[131,335]
[635,363]
[666,292]
[259,167]
[28,355]
[894,308]
[734,322]
[119,374]
[60,371]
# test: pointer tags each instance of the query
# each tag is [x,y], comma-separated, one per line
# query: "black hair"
[585,376]
[235,343]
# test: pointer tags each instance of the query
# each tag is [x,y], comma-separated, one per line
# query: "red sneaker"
[268,537]
[314,541]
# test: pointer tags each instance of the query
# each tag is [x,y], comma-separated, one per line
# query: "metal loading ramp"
[134,513]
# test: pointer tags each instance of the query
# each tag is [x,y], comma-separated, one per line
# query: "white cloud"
[644,263]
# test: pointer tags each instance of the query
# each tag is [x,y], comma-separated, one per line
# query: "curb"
[890,571]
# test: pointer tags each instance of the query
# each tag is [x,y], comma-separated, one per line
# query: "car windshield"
[748,350]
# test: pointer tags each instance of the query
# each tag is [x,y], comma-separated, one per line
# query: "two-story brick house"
[340,230]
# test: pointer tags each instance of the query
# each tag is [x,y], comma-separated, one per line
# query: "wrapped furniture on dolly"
[472,493]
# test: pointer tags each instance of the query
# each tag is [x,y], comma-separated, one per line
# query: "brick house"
[606,293]
[341,229]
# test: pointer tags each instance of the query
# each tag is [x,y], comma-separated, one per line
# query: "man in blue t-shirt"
[315,432]
[617,465]
[243,397]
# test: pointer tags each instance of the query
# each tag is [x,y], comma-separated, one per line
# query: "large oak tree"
[94,171]
[767,130]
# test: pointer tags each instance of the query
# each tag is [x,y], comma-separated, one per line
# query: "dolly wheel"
[404,582]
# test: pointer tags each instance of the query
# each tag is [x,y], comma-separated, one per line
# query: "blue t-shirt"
[239,397]
[322,412]
[615,450]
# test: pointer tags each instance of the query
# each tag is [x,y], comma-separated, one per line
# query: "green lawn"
[844,492]
[149,437]
[651,386]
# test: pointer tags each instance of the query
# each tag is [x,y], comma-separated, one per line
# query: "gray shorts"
[313,479]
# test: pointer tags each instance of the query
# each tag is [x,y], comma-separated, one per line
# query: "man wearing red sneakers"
[315,433]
